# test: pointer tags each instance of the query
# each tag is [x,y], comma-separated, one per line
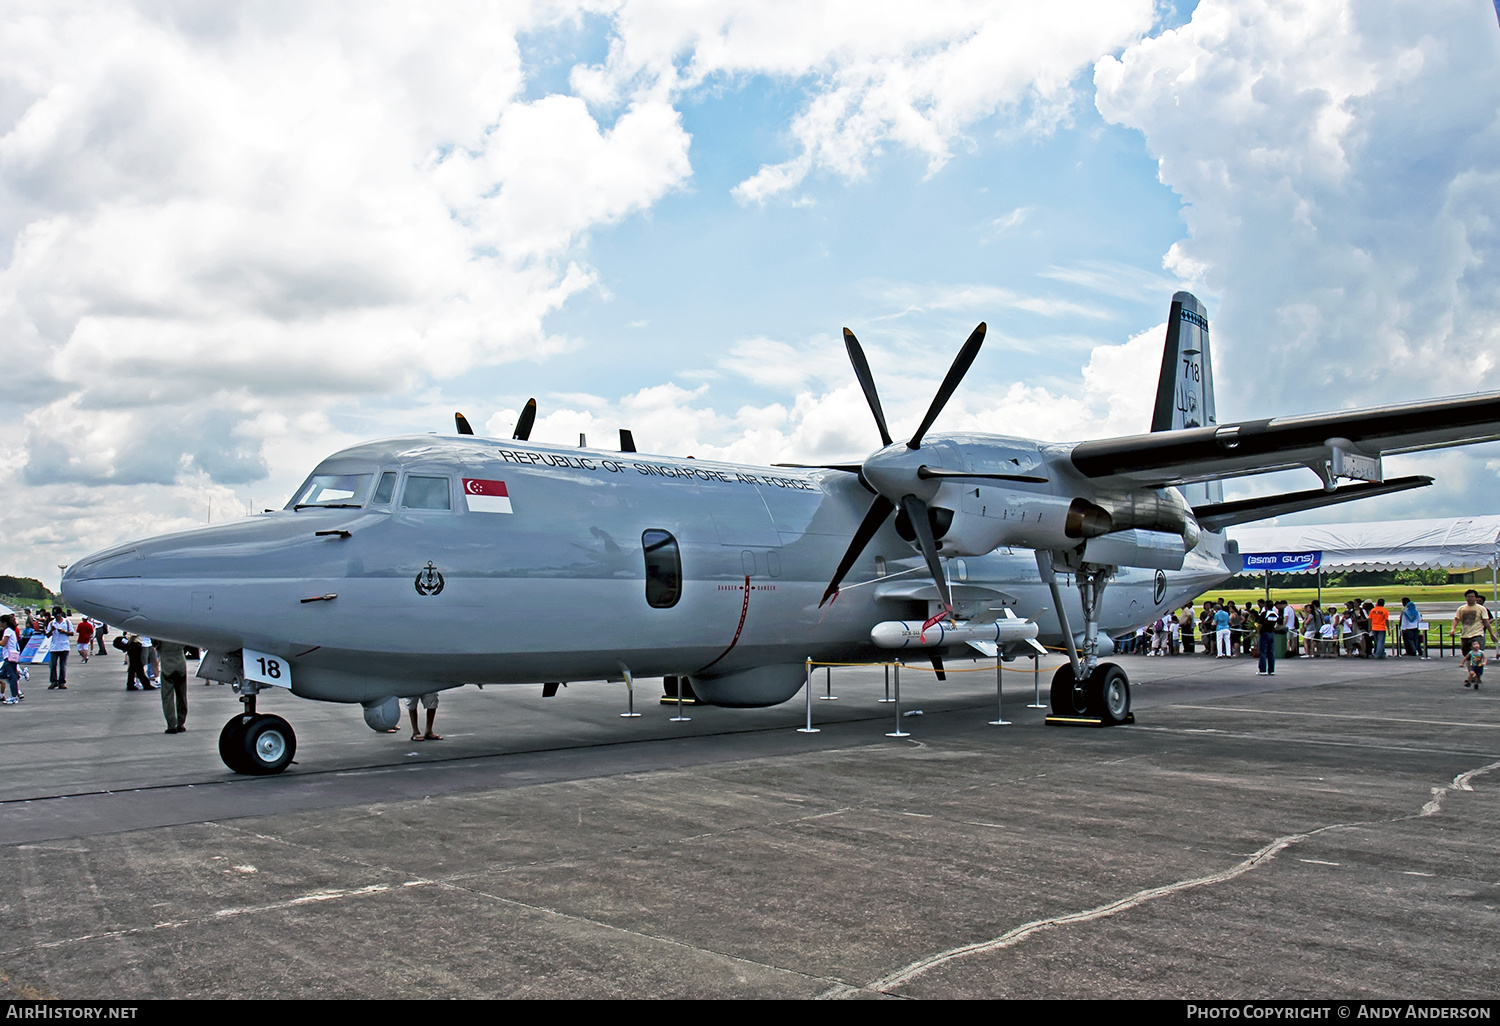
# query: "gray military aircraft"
[418,563]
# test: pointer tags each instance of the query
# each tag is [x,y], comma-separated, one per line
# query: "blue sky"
[239,239]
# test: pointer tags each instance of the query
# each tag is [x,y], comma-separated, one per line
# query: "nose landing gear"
[257,744]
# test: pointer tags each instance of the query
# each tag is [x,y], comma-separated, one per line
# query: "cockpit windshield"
[334,491]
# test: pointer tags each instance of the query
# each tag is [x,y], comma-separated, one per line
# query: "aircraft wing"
[1163,458]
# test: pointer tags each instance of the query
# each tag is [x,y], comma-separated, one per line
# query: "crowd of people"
[149,666]
[1356,628]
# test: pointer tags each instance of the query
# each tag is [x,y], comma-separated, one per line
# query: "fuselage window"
[385,489]
[426,493]
[663,569]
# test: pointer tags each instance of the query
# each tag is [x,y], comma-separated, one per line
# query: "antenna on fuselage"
[627,440]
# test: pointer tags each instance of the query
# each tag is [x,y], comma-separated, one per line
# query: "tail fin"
[1185,389]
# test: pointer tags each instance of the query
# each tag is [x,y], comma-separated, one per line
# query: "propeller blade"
[867,382]
[463,424]
[956,373]
[525,421]
[937,663]
[880,509]
[916,512]
[627,440]
[926,473]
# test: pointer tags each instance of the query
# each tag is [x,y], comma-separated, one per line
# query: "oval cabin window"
[663,569]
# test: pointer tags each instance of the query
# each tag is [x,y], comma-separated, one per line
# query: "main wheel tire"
[267,745]
[231,744]
[1069,694]
[1108,691]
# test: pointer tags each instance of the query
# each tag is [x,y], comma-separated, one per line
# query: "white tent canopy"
[1465,543]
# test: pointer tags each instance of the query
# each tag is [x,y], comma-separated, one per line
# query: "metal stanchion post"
[999,720]
[898,732]
[630,712]
[887,699]
[828,695]
[1036,683]
[679,718]
[809,729]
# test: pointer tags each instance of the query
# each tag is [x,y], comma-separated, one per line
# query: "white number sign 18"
[264,668]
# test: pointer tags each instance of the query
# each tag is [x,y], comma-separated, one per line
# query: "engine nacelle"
[1153,550]
[1022,519]
[988,517]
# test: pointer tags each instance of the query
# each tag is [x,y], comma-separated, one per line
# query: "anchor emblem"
[429,581]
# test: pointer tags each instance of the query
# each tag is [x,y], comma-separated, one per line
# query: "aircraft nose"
[114,562]
[105,585]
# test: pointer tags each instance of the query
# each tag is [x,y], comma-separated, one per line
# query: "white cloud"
[219,221]
[1111,396]
[1340,165]
[911,297]
[882,73]
[1004,225]
[238,234]
[1124,281]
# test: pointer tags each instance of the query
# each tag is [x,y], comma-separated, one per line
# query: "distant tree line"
[24,587]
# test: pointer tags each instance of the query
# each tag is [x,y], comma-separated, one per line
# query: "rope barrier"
[925,669]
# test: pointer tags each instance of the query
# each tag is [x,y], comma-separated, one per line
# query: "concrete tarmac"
[1330,832]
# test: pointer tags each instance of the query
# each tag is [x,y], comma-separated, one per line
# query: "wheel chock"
[1085,721]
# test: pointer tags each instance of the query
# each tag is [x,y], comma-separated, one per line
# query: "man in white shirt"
[59,641]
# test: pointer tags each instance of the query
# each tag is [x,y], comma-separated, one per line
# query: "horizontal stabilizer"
[1219,515]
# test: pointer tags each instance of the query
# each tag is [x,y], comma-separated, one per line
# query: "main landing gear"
[257,744]
[1085,691]
[1104,694]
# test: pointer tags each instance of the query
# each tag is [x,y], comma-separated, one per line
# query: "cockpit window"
[426,493]
[385,489]
[337,491]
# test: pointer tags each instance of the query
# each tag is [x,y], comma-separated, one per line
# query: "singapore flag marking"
[487,496]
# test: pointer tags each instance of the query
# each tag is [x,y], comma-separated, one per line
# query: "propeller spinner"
[902,482]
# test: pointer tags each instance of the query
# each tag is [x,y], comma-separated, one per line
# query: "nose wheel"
[257,744]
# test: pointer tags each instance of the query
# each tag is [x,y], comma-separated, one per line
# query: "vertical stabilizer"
[1185,389]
